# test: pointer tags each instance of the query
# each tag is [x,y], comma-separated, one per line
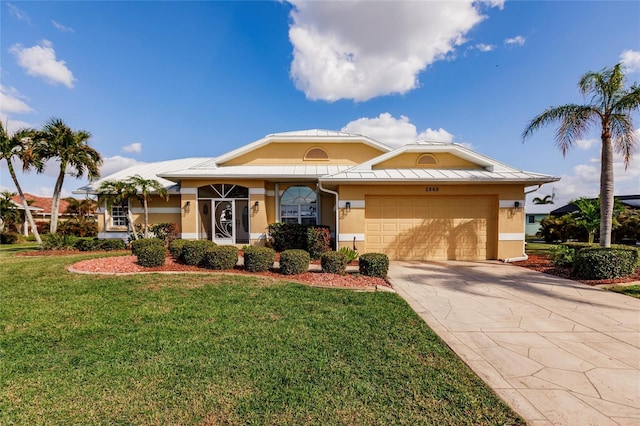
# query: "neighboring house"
[630,201]
[40,209]
[422,201]
[534,213]
[23,226]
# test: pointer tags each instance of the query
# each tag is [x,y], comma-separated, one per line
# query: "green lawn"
[630,290]
[198,349]
[538,248]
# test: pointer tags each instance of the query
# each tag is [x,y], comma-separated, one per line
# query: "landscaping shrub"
[318,241]
[136,245]
[220,257]
[151,255]
[598,263]
[258,259]
[562,255]
[350,253]
[109,245]
[193,251]
[374,265]
[58,242]
[167,232]
[288,236]
[9,237]
[333,262]
[79,227]
[175,248]
[294,261]
[87,245]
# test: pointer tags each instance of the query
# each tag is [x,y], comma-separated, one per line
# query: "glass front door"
[223,222]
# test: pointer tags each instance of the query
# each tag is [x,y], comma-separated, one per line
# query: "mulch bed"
[543,263]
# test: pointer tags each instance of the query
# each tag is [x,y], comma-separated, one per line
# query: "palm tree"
[80,208]
[610,106]
[118,192]
[9,214]
[20,145]
[77,158]
[144,189]
[547,199]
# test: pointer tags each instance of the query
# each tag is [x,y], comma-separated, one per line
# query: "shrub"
[136,245]
[220,257]
[294,261]
[374,264]
[109,245]
[79,227]
[318,241]
[597,263]
[87,245]
[562,255]
[58,242]
[175,248]
[9,237]
[167,232]
[333,262]
[193,251]
[350,253]
[258,259]
[288,236]
[151,255]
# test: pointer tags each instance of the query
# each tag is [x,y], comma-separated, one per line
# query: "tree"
[588,216]
[609,106]
[80,208]
[9,213]
[20,145]
[71,148]
[118,192]
[547,199]
[144,189]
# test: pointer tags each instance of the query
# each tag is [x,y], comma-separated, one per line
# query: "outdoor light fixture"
[347,205]
[517,204]
[187,206]
[256,206]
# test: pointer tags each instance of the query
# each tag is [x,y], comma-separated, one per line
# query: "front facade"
[422,201]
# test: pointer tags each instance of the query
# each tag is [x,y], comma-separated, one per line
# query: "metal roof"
[259,171]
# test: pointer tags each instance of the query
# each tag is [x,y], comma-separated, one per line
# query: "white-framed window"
[119,214]
[299,205]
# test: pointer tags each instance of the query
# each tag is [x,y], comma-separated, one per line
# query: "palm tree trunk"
[55,202]
[146,218]
[131,226]
[606,188]
[27,210]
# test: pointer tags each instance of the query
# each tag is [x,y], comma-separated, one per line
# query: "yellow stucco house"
[422,201]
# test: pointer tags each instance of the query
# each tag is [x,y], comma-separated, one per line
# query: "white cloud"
[485,47]
[12,125]
[135,147]
[361,49]
[394,131]
[631,60]
[586,143]
[117,163]
[40,61]
[61,27]
[517,40]
[18,13]
[11,101]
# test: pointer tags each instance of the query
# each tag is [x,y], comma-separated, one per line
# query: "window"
[299,205]
[316,154]
[426,159]
[119,214]
[532,218]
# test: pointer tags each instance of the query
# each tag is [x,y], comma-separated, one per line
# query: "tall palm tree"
[71,148]
[609,106]
[20,145]
[547,199]
[144,189]
[118,192]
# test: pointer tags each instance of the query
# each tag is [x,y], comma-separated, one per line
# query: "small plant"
[193,251]
[144,242]
[350,253]
[167,232]
[374,264]
[151,255]
[258,259]
[220,258]
[175,249]
[333,262]
[562,255]
[294,261]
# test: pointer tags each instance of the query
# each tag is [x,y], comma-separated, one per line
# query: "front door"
[223,222]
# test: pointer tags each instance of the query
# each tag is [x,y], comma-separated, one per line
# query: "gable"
[302,153]
[421,160]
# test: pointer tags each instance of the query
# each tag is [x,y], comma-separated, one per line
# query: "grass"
[630,290]
[538,248]
[198,349]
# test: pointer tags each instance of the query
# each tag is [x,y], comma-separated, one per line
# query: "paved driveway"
[557,351]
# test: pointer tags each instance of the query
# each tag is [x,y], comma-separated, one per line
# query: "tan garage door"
[431,228]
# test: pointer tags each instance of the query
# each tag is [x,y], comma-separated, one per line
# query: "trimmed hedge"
[599,263]
[333,262]
[220,258]
[258,259]
[316,239]
[294,261]
[151,255]
[193,251]
[109,245]
[374,264]
[175,248]
[136,245]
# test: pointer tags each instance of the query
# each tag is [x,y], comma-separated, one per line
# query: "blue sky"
[164,80]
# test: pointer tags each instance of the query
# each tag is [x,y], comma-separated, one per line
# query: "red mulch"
[542,263]
[127,264]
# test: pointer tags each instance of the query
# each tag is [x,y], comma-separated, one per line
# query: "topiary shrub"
[258,259]
[374,264]
[193,251]
[109,245]
[151,255]
[333,262]
[318,240]
[599,263]
[288,236]
[175,248]
[136,245]
[294,261]
[220,257]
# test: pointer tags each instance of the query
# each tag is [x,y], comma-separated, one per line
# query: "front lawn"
[205,349]
[630,290]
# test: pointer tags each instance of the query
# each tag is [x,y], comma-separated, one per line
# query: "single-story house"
[630,201]
[421,201]
[40,209]
[534,213]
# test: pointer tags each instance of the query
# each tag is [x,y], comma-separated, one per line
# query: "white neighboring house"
[534,213]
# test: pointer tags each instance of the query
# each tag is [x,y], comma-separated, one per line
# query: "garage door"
[431,228]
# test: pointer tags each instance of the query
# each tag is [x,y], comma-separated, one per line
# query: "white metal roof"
[259,171]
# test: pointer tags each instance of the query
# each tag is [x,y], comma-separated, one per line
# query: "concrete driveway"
[558,352]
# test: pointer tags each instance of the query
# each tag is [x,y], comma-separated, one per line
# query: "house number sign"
[432,189]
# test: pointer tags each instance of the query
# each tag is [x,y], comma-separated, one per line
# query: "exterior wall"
[533,228]
[293,153]
[444,160]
